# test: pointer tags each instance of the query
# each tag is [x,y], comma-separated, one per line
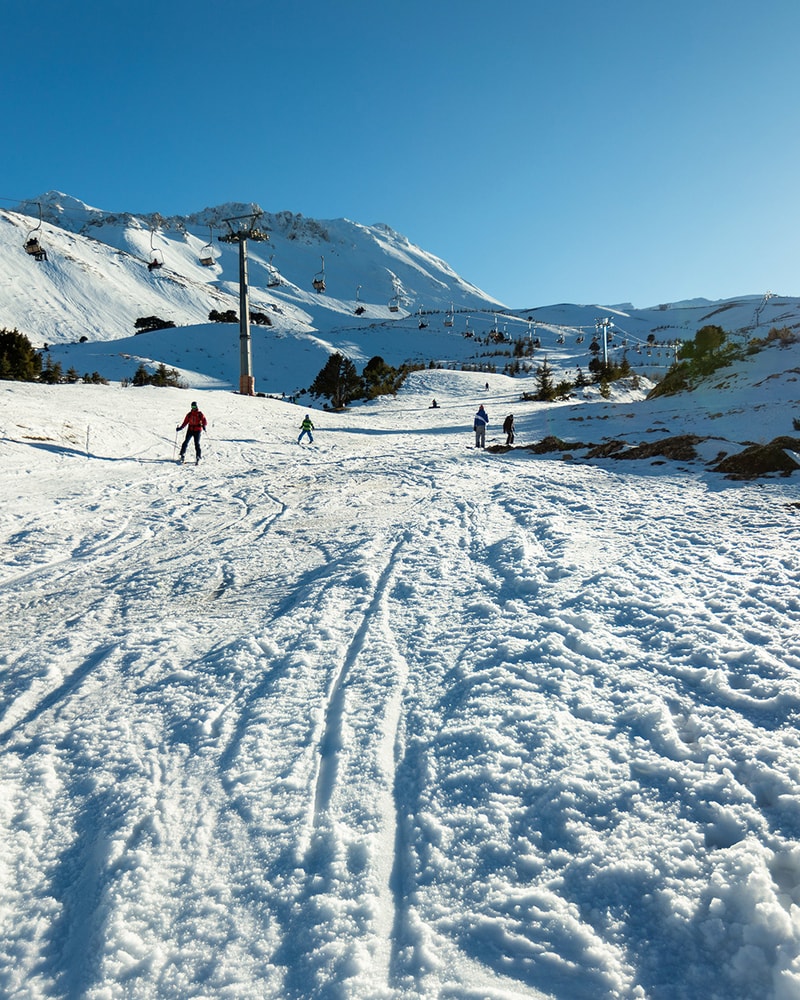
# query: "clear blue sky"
[549,150]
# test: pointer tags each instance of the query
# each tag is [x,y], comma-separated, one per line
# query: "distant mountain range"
[99,272]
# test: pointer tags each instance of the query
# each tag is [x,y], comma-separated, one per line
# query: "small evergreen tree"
[141,376]
[709,339]
[52,373]
[545,390]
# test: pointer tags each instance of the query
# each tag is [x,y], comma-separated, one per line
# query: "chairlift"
[359,309]
[394,304]
[422,322]
[319,278]
[156,256]
[32,244]
[207,253]
[449,316]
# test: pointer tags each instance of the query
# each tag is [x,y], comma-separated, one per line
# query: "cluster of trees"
[602,374]
[230,316]
[20,362]
[710,350]
[52,373]
[339,381]
[162,376]
[783,335]
[147,324]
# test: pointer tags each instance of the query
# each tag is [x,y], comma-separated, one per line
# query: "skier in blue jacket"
[479,425]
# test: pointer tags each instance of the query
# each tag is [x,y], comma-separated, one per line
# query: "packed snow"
[386,716]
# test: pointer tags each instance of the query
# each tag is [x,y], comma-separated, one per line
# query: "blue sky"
[566,150]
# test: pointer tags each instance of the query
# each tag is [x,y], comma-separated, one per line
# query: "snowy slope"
[96,283]
[103,256]
[386,717]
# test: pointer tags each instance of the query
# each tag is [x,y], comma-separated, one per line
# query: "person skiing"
[479,426]
[306,428]
[194,422]
[508,429]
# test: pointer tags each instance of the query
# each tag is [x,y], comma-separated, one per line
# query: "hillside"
[96,283]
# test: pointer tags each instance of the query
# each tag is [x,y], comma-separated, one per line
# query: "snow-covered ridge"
[383,296]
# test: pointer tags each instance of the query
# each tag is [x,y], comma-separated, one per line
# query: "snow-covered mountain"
[383,296]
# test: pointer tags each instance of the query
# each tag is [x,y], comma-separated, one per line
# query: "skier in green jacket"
[306,428]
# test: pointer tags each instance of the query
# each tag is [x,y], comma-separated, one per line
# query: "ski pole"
[175,445]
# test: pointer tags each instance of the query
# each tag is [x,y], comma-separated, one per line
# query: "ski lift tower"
[604,324]
[246,229]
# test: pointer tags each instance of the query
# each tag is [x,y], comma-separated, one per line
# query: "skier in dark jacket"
[194,422]
[508,429]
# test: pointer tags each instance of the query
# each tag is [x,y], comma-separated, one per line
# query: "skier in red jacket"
[194,422]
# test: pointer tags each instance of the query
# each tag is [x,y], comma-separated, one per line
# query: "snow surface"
[385,716]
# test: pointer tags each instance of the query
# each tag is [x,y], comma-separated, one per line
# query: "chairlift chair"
[34,248]
[394,304]
[156,257]
[32,244]
[207,253]
[319,278]
[449,316]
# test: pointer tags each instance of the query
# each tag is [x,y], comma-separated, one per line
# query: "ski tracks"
[343,916]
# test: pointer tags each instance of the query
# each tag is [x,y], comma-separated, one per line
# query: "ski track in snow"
[446,727]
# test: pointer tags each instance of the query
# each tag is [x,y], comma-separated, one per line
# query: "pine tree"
[338,380]
[544,382]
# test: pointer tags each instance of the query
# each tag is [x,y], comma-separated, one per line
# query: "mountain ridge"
[383,296]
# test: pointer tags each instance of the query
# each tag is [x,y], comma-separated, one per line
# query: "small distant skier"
[508,429]
[195,423]
[434,405]
[306,428]
[479,426]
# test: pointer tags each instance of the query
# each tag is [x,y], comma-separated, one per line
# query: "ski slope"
[385,716]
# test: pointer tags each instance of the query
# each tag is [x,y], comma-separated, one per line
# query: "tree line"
[339,382]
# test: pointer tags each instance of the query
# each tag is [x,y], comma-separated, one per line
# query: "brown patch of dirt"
[677,449]
[760,459]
